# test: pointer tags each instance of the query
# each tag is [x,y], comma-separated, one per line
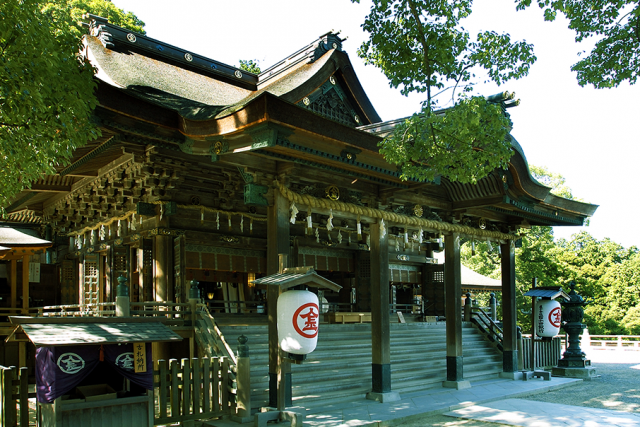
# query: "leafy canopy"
[615,26]
[421,47]
[46,91]
[250,65]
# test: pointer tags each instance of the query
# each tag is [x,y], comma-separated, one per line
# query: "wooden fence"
[14,397]
[547,353]
[192,389]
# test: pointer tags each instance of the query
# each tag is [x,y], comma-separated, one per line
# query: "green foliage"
[422,47]
[464,144]
[556,181]
[46,92]
[615,25]
[250,65]
[631,321]
[606,274]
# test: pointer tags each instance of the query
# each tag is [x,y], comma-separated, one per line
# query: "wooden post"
[9,414]
[243,381]
[277,244]
[380,322]
[532,349]
[25,284]
[14,283]
[453,310]
[467,308]
[509,311]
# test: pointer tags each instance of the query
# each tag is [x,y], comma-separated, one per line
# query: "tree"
[46,92]
[614,24]
[422,47]
[250,65]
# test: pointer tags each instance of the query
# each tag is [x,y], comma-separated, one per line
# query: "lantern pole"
[534,283]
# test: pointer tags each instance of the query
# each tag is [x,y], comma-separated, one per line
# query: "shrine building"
[207,179]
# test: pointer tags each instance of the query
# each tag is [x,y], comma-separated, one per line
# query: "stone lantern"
[574,362]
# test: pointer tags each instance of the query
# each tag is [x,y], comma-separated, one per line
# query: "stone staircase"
[339,370]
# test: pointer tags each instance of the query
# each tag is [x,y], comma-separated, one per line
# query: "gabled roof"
[298,276]
[47,332]
[200,88]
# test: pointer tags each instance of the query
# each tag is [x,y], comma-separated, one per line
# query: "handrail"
[487,325]
[219,345]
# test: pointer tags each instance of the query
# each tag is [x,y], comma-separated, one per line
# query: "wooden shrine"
[207,172]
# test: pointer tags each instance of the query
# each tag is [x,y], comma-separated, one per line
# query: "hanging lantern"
[548,318]
[298,321]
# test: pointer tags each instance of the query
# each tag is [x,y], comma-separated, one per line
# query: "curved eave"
[527,184]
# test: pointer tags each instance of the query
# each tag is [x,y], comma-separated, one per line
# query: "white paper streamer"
[383,230]
[330,220]
[420,236]
[397,244]
[339,236]
[242,223]
[217,220]
[229,220]
[294,212]
[317,235]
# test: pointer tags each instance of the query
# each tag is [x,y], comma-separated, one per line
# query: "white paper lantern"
[548,318]
[298,321]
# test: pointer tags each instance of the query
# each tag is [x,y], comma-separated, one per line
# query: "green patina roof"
[49,334]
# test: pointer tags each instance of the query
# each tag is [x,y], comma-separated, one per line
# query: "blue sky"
[589,136]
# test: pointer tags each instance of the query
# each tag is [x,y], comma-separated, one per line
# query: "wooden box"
[95,392]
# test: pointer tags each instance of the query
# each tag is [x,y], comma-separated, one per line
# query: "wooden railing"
[192,389]
[210,337]
[14,397]
[102,309]
[547,353]
[171,310]
[490,328]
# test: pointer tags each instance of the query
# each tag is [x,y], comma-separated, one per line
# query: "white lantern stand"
[545,321]
[297,320]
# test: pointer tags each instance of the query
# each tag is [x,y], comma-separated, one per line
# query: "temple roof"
[13,237]
[308,111]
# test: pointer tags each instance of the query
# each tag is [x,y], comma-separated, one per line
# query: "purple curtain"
[121,356]
[60,369]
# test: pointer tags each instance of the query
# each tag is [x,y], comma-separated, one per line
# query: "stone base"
[390,396]
[458,385]
[511,375]
[272,414]
[586,374]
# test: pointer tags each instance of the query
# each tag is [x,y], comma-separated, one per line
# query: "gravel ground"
[616,388]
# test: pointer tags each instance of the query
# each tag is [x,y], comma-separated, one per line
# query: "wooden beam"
[47,188]
[14,283]
[25,284]
[477,203]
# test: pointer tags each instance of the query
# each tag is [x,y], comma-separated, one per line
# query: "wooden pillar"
[509,312]
[25,284]
[277,244]
[453,311]
[162,269]
[380,329]
[14,283]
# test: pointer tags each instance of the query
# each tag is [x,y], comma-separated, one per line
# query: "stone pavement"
[529,413]
[415,405]
[499,402]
